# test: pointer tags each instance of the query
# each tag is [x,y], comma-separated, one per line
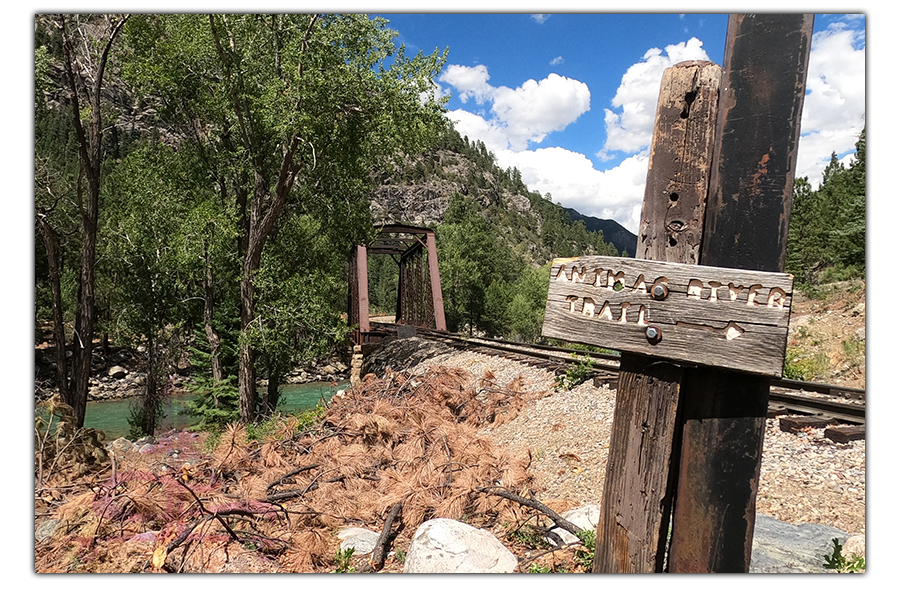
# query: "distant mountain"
[612,230]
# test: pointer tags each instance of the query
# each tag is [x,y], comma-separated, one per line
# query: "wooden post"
[362,291]
[637,497]
[746,227]
[437,298]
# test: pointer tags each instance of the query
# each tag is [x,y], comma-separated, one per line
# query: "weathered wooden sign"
[729,318]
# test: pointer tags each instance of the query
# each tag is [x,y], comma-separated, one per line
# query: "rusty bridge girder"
[419,299]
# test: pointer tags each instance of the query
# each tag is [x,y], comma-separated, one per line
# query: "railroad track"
[807,404]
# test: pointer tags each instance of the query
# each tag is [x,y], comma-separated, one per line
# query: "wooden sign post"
[758,133]
[697,350]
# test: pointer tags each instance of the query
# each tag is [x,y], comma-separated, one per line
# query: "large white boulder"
[448,546]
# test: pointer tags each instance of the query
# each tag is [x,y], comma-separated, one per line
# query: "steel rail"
[782,394]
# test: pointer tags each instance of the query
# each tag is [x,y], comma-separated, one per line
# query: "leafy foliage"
[528,537]
[343,560]
[585,555]
[575,374]
[837,561]
[295,112]
[215,404]
[801,367]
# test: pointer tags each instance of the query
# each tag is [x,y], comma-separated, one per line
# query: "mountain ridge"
[419,192]
[612,230]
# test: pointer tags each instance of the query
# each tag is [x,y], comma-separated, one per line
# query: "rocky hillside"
[420,194]
[827,339]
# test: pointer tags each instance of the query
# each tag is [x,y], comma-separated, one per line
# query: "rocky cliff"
[421,194]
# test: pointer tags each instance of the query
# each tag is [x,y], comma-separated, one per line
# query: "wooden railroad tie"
[845,434]
[797,424]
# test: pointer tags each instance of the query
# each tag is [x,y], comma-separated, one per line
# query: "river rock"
[361,540]
[122,445]
[586,518]
[447,546]
[45,530]
[117,372]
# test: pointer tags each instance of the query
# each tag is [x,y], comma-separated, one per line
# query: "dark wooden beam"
[845,434]
[746,227]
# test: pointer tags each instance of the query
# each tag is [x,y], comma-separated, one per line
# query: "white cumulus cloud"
[833,116]
[834,109]
[470,82]
[631,129]
[527,113]
[572,180]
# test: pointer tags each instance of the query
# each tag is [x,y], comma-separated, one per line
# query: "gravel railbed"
[805,478]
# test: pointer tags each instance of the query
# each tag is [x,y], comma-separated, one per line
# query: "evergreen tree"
[826,239]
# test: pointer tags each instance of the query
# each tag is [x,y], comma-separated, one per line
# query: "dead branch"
[291,474]
[557,518]
[382,546]
[290,494]
[207,511]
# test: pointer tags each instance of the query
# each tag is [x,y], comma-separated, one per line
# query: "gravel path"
[804,477]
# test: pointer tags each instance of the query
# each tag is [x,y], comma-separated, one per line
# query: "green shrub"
[576,373]
[837,561]
[840,273]
[585,554]
[528,538]
[215,404]
[342,559]
[853,349]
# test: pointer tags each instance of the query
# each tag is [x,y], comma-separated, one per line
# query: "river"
[111,416]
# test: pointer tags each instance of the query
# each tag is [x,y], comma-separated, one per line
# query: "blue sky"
[570,99]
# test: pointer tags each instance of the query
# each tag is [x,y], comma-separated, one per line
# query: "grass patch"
[801,367]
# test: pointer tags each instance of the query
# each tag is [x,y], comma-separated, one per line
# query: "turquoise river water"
[111,416]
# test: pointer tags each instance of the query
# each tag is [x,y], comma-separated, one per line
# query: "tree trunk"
[272,393]
[212,336]
[246,354]
[90,158]
[82,345]
[151,388]
[51,246]
[266,205]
